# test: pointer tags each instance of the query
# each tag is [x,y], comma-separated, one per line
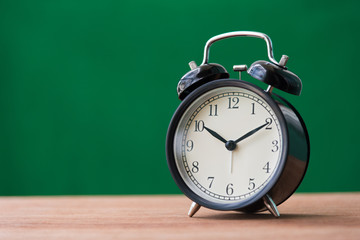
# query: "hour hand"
[215,134]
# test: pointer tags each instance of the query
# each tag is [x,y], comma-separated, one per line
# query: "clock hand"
[231,145]
[231,161]
[215,134]
[250,133]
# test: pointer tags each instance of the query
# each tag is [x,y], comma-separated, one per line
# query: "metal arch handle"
[239,34]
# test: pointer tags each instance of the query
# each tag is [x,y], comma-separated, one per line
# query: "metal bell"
[277,76]
[198,76]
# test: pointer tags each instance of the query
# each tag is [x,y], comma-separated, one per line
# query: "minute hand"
[250,133]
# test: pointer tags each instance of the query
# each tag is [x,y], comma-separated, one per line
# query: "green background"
[87,88]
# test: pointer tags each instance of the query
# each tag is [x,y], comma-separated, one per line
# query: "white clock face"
[228,145]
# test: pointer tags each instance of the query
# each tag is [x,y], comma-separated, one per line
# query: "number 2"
[269,122]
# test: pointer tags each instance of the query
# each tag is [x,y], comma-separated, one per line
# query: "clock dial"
[228,145]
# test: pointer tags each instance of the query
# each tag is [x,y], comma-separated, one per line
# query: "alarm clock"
[232,145]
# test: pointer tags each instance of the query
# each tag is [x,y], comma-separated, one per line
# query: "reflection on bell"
[276,76]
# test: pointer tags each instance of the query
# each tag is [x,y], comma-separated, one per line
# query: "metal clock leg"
[193,209]
[271,206]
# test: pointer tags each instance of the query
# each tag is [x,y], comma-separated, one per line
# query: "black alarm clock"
[232,145]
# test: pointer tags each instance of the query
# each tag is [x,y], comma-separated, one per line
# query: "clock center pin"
[230,145]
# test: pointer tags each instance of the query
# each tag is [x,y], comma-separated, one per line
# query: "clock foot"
[193,209]
[271,206]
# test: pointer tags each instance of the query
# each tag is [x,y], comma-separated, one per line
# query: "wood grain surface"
[303,216]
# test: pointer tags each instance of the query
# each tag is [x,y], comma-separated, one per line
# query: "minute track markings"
[186,131]
[193,116]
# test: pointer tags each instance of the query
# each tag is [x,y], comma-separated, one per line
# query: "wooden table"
[303,216]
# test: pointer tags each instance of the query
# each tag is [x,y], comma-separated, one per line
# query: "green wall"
[87,88]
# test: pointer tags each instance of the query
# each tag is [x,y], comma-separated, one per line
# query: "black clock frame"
[293,161]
